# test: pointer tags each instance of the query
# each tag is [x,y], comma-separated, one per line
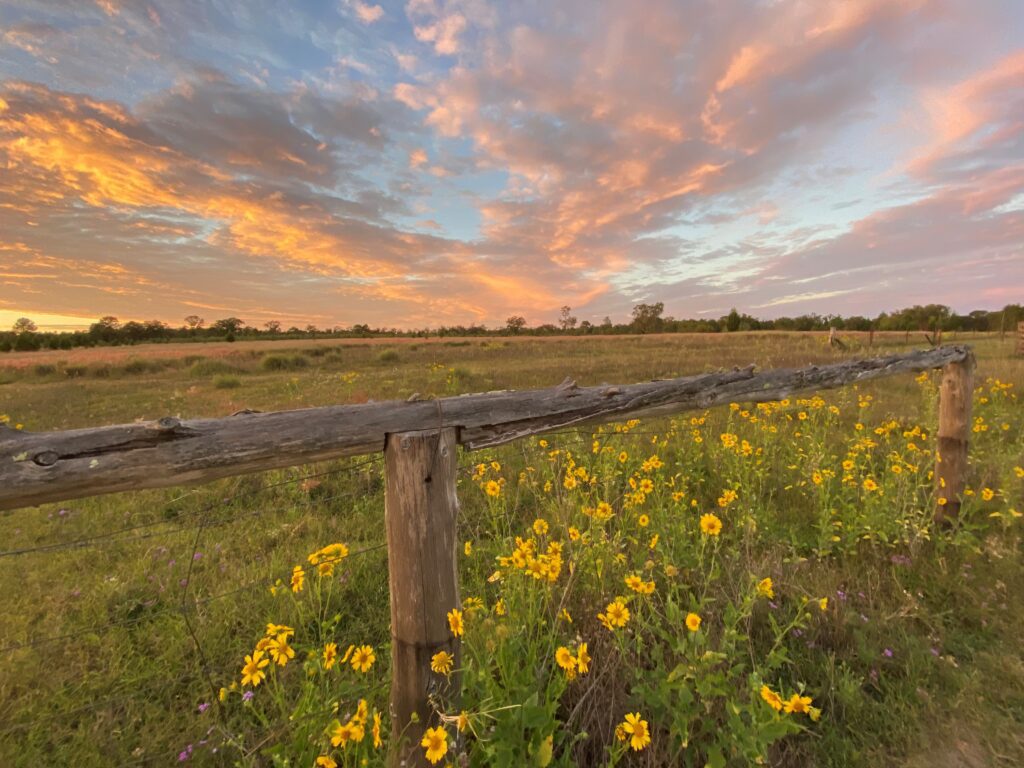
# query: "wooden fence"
[1020,338]
[420,439]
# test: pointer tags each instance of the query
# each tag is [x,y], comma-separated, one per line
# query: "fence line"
[419,440]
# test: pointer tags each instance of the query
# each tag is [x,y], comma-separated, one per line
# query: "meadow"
[747,585]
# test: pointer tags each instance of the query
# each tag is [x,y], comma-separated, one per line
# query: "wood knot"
[566,387]
[168,424]
[611,391]
[46,458]
[415,397]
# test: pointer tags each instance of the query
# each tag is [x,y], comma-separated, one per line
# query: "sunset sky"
[458,161]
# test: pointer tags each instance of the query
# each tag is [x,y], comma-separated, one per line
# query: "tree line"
[645,318]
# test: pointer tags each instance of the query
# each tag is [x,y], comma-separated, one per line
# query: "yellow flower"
[441,662]
[646,485]
[583,659]
[765,588]
[280,650]
[616,615]
[710,524]
[343,734]
[1019,471]
[870,484]
[693,622]
[643,521]
[376,731]
[252,672]
[325,761]
[462,721]
[574,533]
[772,698]
[330,655]
[492,488]
[565,659]
[363,658]
[798,703]
[987,494]
[603,510]
[435,742]
[468,548]
[540,526]
[623,457]
[636,730]
[499,607]
[298,577]
[455,622]
[823,603]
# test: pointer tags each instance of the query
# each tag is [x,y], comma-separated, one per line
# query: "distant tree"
[647,317]
[565,320]
[155,329]
[732,321]
[273,326]
[105,329]
[515,324]
[606,323]
[24,325]
[229,325]
[312,330]
[194,322]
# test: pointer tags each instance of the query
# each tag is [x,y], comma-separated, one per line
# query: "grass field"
[906,638]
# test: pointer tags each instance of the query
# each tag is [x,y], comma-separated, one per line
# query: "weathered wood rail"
[420,439]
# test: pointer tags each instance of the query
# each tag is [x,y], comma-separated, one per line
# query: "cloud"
[367,13]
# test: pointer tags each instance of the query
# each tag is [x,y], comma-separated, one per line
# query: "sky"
[439,162]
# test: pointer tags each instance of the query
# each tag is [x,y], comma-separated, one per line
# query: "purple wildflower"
[247,696]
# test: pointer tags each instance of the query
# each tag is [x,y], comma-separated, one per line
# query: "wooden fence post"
[1020,338]
[955,395]
[420,511]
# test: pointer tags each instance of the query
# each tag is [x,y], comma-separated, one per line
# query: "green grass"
[126,685]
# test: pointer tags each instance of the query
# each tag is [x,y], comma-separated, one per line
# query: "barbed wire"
[99,628]
[115,536]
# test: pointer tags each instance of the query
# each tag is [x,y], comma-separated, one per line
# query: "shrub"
[388,356]
[204,368]
[75,371]
[284,362]
[45,369]
[226,382]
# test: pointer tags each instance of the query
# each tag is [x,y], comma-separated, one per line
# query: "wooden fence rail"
[420,439]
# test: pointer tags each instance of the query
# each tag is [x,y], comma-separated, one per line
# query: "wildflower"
[499,607]
[435,742]
[565,615]
[363,658]
[252,672]
[870,484]
[637,731]
[325,761]
[616,615]
[1019,471]
[623,457]
[798,704]
[693,622]
[492,488]
[643,521]
[222,694]
[565,659]
[248,695]
[574,533]
[583,659]
[462,721]
[765,588]
[540,526]
[710,524]
[441,662]
[771,698]
[280,650]
[376,731]
[646,485]
[298,578]
[603,510]
[468,548]
[823,603]
[341,735]
[455,622]
[987,494]
[728,497]
[330,655]
[273,630]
